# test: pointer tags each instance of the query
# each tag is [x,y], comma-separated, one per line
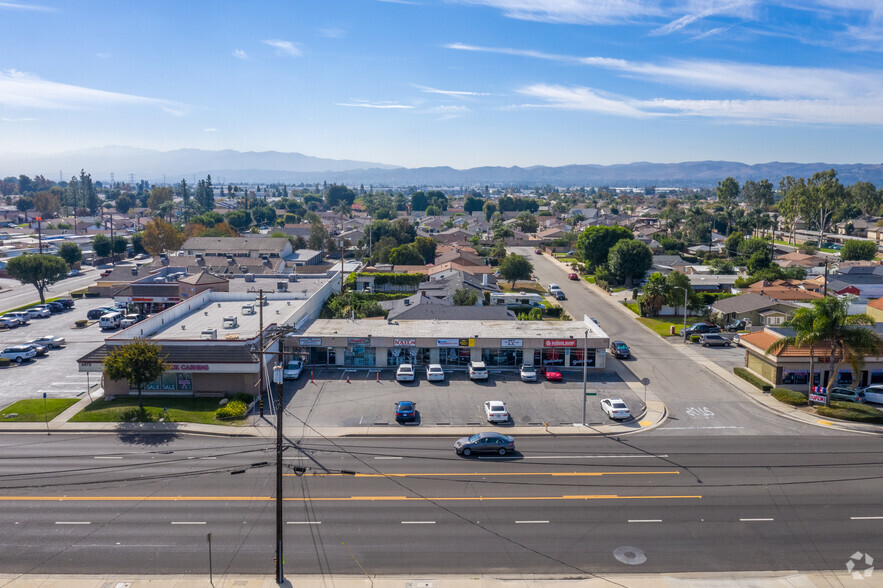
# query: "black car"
[701,328]
[489,442]
[620,350]
[55,307]
[66,302]
[97,313]
[740,325]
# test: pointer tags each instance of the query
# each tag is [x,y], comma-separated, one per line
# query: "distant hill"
[273,166]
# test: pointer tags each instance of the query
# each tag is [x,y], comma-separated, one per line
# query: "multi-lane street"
[647,503]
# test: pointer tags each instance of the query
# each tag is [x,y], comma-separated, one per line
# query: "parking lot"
[55,373]
[330,401]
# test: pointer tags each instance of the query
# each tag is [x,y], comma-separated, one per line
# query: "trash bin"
[671,330]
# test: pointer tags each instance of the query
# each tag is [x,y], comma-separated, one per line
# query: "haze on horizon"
[463,83]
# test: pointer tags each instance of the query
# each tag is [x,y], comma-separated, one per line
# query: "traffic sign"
[591,393]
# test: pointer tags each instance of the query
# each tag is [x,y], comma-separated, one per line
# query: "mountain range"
[229,166]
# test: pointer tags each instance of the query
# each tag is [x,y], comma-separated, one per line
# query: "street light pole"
[685,305]
[277,378]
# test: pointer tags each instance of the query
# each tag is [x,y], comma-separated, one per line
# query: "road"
[16,294]
[581,506]
[697,399]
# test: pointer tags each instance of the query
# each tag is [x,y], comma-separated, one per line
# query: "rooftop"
[212,314]
[452,328]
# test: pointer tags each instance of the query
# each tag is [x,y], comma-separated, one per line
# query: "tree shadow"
[148,434]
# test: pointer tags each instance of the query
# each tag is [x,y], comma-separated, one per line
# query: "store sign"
[447,342]
[404,342]
[310,341]
[358,341]
[817,398]
[559,343]
[511,343]
[189,367]
[467,342]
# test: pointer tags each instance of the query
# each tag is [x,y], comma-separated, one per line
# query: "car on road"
[552,374]
[495,411]
[405,373]
[40,350]
[487,442]
[700,328]
[538,251]
[18,353]
[49,341]
[292,369]
[528,373]
[713,340]
[9,322]
[553,286]
[572,276]
[73,273]
[620,349]
[559,295]
[435,373]
[615,409]
[406,410]
[39,312]
[96,313]
[847,394]
[140,256]
[477,370]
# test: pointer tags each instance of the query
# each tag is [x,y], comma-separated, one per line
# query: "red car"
[573,276]
[552,374]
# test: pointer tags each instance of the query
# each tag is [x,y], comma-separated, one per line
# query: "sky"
[463,83]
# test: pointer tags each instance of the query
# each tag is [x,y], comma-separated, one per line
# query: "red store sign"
[559,343]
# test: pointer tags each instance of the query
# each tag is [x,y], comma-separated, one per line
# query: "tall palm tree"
[828,324]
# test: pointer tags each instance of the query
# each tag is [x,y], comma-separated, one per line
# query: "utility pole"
[40,234]
[585,372]
[112,252]
[340,248]
[261,359]
[825,289]
[280,562]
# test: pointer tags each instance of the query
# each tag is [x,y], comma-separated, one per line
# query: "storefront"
[794,377]
[406,351]
[359,353]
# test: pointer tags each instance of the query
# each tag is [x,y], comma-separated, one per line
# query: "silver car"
[528,373]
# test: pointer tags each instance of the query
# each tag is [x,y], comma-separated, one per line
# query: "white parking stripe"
[645,520]
[72,523]
[754,520]
[303,523]
[388,457]
[418,522]
[531,522]
[188,522]
[107,457]
[866,518]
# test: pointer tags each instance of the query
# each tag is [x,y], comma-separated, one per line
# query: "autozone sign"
[559,343]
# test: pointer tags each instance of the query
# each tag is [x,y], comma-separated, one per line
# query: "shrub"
[92,294]
[81,323]
[554,311]
[792,397]
[76,295]
[851,411]
[232,410]
[4,362]
[752,379]
[243,397]
[694,338]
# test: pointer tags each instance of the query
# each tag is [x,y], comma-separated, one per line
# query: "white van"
[111,320]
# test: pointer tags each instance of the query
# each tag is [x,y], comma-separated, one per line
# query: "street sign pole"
[45,413]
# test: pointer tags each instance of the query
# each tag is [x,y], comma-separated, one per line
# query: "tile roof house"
[783,290]
[797,259]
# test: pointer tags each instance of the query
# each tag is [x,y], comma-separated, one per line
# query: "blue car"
[406,410]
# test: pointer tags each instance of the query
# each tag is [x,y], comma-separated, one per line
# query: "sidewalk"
[788,579]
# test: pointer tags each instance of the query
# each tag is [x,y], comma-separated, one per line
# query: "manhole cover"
[629,555]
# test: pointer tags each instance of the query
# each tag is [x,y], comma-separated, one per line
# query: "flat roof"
[449,329]
[211,316]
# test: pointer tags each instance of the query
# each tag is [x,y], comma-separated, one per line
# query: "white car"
[435,373]
[554,286]
[528,373]
[49,341]
[39,312]
[477,370]
[615,409]
[292,369]
[405,373]
[18,353]
[496,412]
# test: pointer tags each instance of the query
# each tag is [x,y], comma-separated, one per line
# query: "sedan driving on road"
[615,409]
[620,349]
[405,373]
[528,373]
[572,276]
[489,442]
[435,373]
[495,411]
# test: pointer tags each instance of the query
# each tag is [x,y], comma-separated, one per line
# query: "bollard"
[311,376]
[378,377]
[347,378]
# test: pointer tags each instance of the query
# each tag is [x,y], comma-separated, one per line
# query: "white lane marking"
[418,522]
[645,520]
[866,518]
[531,522]
[384,457]
[303,523]
[626,456]
[754,520]
[107,457]
[73,523]
[294,457]
[698,428]
[188,522]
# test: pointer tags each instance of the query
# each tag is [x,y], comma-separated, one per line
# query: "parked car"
[97,313]
[39,312]
[700,328]
[66,302]
[140,256]
[620,350]
[50,341]
[538,251]
[572,276]
[55,306]
[406,410]
[477,370]
[847,394]
[18,353]
[552,374]
[9,322]
[488,442]
[737,340]
[528,373]
[615,409]
[495,411]
[739,325]
[22,316]
[39,350]
[874,393]
[131,319]
[713,340]
[292,369]
[435,373]
[405,373]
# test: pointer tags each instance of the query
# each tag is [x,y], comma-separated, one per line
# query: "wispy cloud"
[332,33]
[697,10]
[709,33]
[574,11]
[455,93]
[21,6]
[286,48]
[210,130]
[380,105]
[23,90]
[447,111]
[16,120]
[240,54]
[511,51]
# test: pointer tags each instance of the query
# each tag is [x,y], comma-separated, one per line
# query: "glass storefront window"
[323,356]
[169,382]
[844,377]
[876,377]
[576,357]
[799,377]
[413,355]
[502,357]
[554,356]
[359,356]
[454,356]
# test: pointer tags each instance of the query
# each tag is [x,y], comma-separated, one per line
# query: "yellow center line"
[330,498]
[488,474]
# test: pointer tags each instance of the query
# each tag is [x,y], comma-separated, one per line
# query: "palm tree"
[828,324]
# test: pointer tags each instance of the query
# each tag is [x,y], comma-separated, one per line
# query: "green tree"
[853,249]
[733,242]
[628,260]
[489,208]
[159,236]
[70,252]
[419,201]
[433,210]
[465,297]
[728,196]
[159,195]
[758,194]
[318,236]
[426,246]
[653,297]
[239,220]
[139,363]
[865,196]
[527,222]
[40,271]
[828,324]
[263,215]
[119,244]
[594,243]
[88,195]
[405,255]
[674,295]
[823,196]
[515,267]
[138,243]
[123,204]
[101,245]
[759,260]
[498,251]
[472,204]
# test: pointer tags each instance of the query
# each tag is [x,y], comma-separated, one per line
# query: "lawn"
[566,259]
[661,325]
[822,249]
[530,287]
[181,410]
[31,411]
[589,278]
[635,307]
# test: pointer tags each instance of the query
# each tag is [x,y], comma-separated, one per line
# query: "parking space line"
[866,518]
[73,523]
[418,522]
[303,523]
[531,522]
[107,457]
[387,457]
[645,520]
[754,520]
[188,522]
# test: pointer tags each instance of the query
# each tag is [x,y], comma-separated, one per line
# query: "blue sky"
[458,82]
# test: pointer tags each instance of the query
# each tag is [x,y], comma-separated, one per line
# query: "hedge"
[4,362]
[752,379]
[396,279]
[234,409]
[792,397]
[851,411]
[81,323]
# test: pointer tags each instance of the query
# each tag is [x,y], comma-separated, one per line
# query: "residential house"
[420,306]
[866,280]
[757,308]
[445,284]
[790,290]
[797,259]
[875,309]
